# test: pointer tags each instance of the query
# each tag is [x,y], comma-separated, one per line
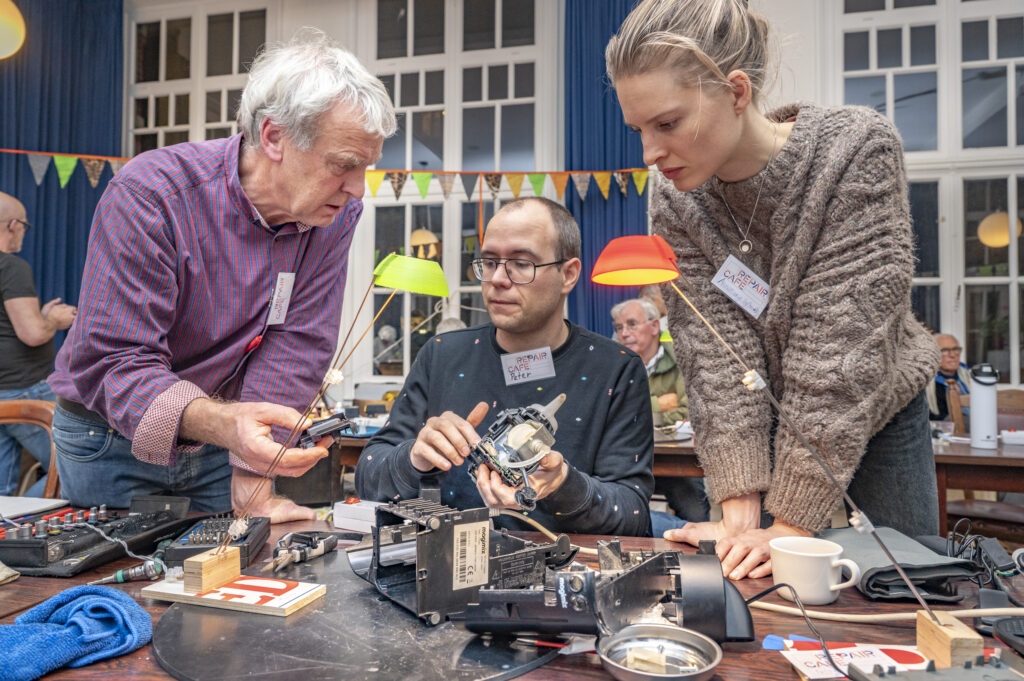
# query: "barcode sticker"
[472,549]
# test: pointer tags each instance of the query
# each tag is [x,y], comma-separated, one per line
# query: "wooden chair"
[955,402]
[35,413]
[1010,400]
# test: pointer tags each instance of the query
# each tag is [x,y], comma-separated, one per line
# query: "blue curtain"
[61,92]
[597,139]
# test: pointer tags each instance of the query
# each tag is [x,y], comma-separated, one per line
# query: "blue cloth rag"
[74,628]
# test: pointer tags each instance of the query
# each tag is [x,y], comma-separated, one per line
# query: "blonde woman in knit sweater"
[813,201]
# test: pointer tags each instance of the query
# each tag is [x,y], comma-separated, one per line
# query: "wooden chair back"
[955,404]
[1010,400]
[35,413]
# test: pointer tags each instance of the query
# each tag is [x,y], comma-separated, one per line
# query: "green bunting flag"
[422,181]
[65,166]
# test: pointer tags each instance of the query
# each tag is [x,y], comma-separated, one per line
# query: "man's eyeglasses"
[25,223]
[630,324]
[518,270]
[951,351]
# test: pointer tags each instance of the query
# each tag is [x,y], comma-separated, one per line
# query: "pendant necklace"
[746,245]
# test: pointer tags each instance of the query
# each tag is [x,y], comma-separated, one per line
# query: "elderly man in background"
[951,372]
[212,292]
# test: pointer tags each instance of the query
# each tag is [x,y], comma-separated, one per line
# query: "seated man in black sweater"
[599,481]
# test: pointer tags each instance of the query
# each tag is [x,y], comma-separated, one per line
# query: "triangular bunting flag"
[397,182]
[373,179]
[640,180]
[515,183]
[622,178]
[493,181]
[422,181]
[115,166]
[65,166]
[446,180]
[537,181]
[93,169]
[604,181]
[560,180]
[469,181]
[38,163]
[582,182]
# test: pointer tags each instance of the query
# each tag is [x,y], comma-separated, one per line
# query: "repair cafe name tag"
[742,286]
[529,365]
[282,297]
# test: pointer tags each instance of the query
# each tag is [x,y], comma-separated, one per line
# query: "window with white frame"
[950,74]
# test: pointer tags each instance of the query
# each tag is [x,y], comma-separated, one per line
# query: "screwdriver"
[150,570]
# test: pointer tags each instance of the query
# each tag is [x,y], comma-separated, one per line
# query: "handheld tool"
[298,547]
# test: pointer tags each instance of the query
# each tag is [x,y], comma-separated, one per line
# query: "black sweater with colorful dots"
[604,428]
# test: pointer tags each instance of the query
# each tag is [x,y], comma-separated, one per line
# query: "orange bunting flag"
[560,180]
[604,181]
[640,180]
[582,183]
[515,182]
[374,179]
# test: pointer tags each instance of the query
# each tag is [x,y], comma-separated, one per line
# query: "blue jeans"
[661,522]
[96,467]
[14,436]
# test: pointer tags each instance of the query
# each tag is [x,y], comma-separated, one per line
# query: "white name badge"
[282,297]
[529,365]
[742,286]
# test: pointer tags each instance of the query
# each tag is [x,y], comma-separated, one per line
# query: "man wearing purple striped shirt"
[212,291]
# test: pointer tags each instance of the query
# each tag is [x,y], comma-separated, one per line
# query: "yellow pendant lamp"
[12,29]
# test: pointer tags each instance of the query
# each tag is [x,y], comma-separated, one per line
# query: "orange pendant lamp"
[635,261]
[12,29]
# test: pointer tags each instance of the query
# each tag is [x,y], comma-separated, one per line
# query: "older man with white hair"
[212,292]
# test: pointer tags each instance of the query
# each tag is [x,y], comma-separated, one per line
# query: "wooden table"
[741,661]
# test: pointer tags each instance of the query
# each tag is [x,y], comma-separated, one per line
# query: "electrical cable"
[124,545]
[543,530]
[889,617]
[803,611]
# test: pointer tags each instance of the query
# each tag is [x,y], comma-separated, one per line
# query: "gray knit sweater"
[838,342]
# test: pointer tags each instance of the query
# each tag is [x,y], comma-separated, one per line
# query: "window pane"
[851,6]
[470,246]
[162,106]
[393,153]
[141,112]
[392,18]
[986,243]
[497,82]
[1019,225]
[924,301]
[428,29]
[410,93]
[145,142]
[524,80]
[516,22]
[217,133]
[912,3]
[176,137]
[984,107]
[478,139]
[478,25]
[922,45]
[389,85]
[427,140]
[867,91]
[1010,37]
[147,54]
[389,232]
[855,51]
[213,107]
[473,311]
[924,212]
[974,39]
[988,328]
[1020,105]
[181,109]
[179,48]
[234,99]
[219,41]
[388,334]
[472,84]
[252,33]
[433,87]
[890,48]
[915,101]
[517,138]
[421,324]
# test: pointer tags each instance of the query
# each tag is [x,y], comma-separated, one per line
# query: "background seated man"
[951,370]
[636,326]
[600,479]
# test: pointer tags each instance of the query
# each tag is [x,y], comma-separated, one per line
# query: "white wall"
[799,43]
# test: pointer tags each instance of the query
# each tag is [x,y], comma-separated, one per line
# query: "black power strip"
[210,532]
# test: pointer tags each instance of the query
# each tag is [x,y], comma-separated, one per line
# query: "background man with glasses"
[599,481]
[26,346]
[951,370]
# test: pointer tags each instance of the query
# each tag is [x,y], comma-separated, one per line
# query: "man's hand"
[668,401]
[445,440]
[244,429]
[59,315]
[266,504]
[548,477]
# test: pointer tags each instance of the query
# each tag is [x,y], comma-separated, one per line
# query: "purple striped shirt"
[177,286]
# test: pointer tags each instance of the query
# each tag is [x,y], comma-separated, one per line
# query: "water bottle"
[983,407]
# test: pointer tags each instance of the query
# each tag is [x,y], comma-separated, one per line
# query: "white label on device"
[742,286]
[471,552]
[282,297]
[529,365]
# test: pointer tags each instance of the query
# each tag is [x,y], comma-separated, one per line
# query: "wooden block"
[950,643]
[208,570]
[262,595]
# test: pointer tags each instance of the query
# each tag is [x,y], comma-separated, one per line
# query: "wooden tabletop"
[741,661]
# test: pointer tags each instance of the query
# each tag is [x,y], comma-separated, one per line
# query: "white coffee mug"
[812,567]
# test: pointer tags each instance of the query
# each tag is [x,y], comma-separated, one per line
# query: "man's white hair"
[650,311]
[295,83]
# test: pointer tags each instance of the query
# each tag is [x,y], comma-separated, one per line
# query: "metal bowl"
[659,651]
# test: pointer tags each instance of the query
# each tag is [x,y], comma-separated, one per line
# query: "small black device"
[331,425]
[1010,631]
[210,532]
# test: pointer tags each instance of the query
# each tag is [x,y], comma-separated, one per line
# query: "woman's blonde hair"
[700,40]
